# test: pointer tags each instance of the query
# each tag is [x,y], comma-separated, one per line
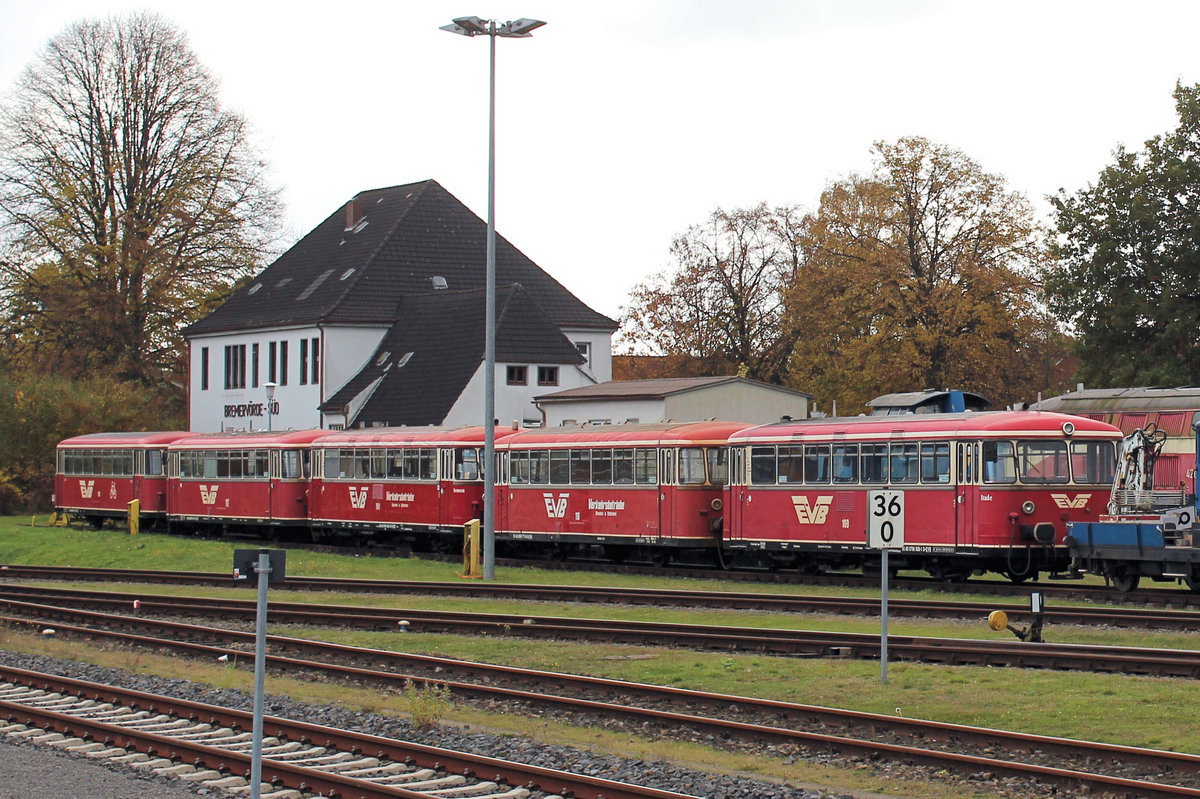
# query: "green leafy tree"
[130,200]
[920,275]
[1127,273]
[720,309]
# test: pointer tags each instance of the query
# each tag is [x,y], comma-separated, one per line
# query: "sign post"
[885,531]
[269,565]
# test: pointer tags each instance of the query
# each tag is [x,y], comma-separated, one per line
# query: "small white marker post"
[885,531]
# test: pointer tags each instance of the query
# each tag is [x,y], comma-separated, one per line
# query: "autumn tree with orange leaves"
[920,275]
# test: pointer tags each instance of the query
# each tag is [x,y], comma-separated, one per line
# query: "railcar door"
[666,491]
[966,494]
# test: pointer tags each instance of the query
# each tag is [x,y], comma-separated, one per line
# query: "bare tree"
[131,201]
[720,309]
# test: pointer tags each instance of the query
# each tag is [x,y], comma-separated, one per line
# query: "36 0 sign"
[885,519]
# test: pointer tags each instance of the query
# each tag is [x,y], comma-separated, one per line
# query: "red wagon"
[982,491]
[418,482]
[622,487]
[98,475]
[231,480]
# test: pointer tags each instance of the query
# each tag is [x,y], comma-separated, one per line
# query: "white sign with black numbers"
[885,519]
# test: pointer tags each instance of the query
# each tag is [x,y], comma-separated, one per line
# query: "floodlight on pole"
[270,390]
[515,29]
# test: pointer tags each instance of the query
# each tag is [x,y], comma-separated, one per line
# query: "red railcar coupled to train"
[422,481]
[983,491]
[98,475]
[621,487]
[258,479]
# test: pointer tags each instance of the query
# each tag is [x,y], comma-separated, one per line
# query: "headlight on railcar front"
[717,504]
[1027,507]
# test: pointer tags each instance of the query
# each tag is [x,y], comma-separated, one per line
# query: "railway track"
[1067,590]
[66,607]
[761,726]
[1141,618]
[209,744]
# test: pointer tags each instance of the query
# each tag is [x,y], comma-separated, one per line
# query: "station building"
[376,317]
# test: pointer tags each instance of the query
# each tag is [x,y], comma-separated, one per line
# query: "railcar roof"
[1141,398]
[385,436]
[256,438]
[127,439]
[986,423]
[706,432]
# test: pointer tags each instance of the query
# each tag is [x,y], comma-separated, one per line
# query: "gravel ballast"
[58,775]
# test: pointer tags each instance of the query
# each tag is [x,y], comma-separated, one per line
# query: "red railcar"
[250,479]
[982,491]
[619,486]
[98,475]
[417,481]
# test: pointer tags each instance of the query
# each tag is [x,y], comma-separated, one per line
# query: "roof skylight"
[304,295]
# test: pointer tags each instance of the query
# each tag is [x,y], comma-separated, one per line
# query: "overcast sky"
[622,123]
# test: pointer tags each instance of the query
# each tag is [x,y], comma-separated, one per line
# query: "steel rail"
[1162,761]
[781,641]
[280,772]
[1091,593]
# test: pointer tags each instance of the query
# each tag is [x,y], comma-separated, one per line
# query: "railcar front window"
[999,462]
[718,465]
[466,463]
[154,462]
[1043,461]
[691,466]
[1093,462]
[290,465]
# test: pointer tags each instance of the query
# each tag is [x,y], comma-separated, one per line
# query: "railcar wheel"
[1015,578]
[1192,581]
[1124,579]
[96,522]
[660,557]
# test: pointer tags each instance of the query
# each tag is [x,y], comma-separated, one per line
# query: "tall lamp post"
[516,29]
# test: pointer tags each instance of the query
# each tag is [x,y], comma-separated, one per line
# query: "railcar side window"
[623,466]
[560,467]
[845,463]
[1093,462]
[905,463]
[602,467]
[581,466]
[718,465]
[691,466]
[378,464]
[539,467]
[999,462]
[791,465]
[333,463]
[935,463]
[645,466]
[1043,461]
[762,465]
[518,468]
[816,463]
[874,463]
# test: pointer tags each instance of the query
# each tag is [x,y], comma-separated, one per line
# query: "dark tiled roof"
[404,236]
[444,333]
[653,389]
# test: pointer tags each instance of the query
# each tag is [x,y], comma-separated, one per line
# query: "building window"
[283,363]
[585,349]
[547,375]
[235,366]
[303,361]
[272,367]
[204,368]
[254,366]
[316,361]
[518,375]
